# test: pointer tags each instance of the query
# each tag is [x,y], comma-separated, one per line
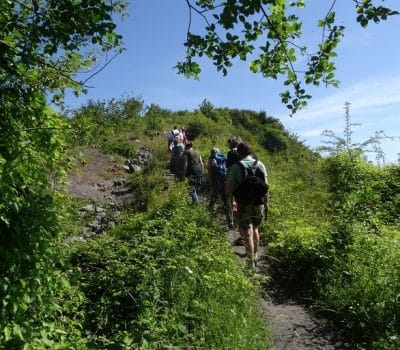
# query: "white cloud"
[312,132]
[375,104]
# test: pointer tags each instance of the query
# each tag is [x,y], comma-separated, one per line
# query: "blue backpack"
[219,163]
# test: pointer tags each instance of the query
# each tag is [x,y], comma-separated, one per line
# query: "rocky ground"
[101,178]
[101,181]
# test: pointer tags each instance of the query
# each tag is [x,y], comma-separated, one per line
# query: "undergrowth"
[167,278]
[338,243]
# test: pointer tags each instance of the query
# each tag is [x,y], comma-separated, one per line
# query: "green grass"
[168,278]
[332,230]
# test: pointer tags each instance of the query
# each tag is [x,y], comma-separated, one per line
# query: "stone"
[88,208]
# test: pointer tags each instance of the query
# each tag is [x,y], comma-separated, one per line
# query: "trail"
[295,327]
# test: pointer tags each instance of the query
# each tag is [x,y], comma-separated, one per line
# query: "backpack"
[172,134]
[219,164]
[175,163]
[194,167]
[253,189]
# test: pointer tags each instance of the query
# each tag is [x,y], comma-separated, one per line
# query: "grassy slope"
[305,233]
[166,276]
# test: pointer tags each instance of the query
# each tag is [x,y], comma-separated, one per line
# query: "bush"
[364,289]
[120,145]
[200,125]
[167,278]
[274,141]
[388,188]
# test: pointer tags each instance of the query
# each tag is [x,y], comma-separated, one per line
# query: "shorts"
[249,214]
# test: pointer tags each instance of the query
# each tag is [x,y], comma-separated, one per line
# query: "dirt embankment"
[98,178]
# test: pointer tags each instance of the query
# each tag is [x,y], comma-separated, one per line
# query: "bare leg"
[249,242]
[256,239]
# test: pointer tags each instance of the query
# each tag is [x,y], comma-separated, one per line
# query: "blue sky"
[368,68]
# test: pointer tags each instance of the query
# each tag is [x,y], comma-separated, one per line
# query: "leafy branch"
[232,30]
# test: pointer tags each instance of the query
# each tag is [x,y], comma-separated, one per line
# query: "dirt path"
[294,326]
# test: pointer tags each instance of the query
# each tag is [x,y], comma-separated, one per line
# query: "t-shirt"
[193,163]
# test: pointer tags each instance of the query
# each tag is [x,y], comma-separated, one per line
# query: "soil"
[295,327]
[100,179]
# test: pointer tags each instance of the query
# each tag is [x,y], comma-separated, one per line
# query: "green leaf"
[254,66]
[18,331]
[7,333]
[364,22]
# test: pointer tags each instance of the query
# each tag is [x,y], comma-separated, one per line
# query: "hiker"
[232,156]
[217,171]
[193,169]
[247,187]
[171,136]
[175,164]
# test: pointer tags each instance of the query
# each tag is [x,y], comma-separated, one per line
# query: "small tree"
[338,144]
[207,108]
[43,44]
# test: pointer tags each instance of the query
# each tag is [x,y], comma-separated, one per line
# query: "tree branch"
[100,69]
[281,41]
[39,128]
[326,16]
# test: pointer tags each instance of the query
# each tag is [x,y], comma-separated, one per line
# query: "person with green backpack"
[247,188]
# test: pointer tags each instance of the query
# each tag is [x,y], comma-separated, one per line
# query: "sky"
[368,68]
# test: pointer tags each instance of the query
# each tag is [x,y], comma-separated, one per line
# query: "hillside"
[302,246]
[130,264]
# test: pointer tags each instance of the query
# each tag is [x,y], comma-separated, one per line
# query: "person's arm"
[261,166]
[231,184]
[266,199]
[202,164]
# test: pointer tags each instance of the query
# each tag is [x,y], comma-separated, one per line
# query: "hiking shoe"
[250,263]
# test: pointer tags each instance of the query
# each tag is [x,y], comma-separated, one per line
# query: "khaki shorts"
[249,214]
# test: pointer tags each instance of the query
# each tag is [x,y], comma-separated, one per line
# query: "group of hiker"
[238,178]
[186,162]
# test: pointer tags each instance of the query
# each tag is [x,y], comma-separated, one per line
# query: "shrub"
[203,126]
[120,145]
[167,278]
[364,288]
[274,141]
